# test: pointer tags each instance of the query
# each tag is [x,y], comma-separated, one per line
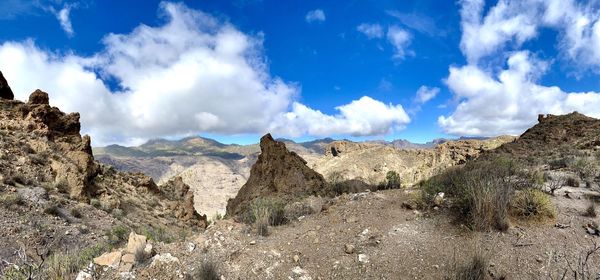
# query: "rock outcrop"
[5,91]
[277,173]
[42,146]
[554,135]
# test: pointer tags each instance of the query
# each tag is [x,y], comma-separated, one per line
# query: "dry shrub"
[572,182]
[533,203]
[9,199]
[208,270]
[262,218]
[274,206]
[476,267]
[482,190]
[591,210]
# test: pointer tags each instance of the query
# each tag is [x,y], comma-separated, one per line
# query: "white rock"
[363,258]
[83,275]
[163,258]
[191,246]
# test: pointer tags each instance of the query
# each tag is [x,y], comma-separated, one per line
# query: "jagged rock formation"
[42,146]
[5,91]
[370,162]
[277,173]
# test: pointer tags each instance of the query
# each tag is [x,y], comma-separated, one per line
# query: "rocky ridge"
[370,161]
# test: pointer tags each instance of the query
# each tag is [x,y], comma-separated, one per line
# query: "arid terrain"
[499,208]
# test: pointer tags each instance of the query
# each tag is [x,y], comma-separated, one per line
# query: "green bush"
[481,190]
[533,203]
[274,207]
[117,235]
[392,179]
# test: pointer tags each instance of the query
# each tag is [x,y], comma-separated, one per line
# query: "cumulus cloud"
[425,94]
[495,99]
[315,16]
[191,74]
[400,39]
[64,19]
[371,30]
[516,22]
[510,102]
[362,117]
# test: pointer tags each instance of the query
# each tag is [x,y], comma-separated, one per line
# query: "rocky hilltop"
[48,168]
[277,173]
[370,161]
[555,136]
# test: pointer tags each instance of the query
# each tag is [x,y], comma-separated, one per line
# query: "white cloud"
[371,30]
[510,102]
[192,74]
[63,17]
[315,16]
[362,117]
[509,21]
[507,101]
[418,22]
[425,94]
[400,39]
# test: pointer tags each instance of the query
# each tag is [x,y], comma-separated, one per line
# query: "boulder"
[39,97]
[135,243]
[5,91]
[277,173]
[109,259]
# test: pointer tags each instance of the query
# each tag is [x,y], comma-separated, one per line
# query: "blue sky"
[232,70]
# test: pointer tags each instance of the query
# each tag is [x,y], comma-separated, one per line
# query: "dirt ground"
[390,242]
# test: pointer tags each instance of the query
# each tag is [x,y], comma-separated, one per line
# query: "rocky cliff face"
[277,173]
[42,146]
[370,162]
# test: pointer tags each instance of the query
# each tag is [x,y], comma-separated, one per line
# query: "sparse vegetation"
[17,179]
[556,184]
[274,207]
[572,182]
[52,209]
[157,234]
[66,265]
[96,203]
[117,235]
[392,180]
[474,269]
[533,203]
[591,210]
[10,199]
[208,270]
[264,212]
[76,212]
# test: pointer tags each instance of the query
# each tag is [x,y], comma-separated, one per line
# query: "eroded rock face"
[277,173]
[370,162]
[5,91]
[43,147]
